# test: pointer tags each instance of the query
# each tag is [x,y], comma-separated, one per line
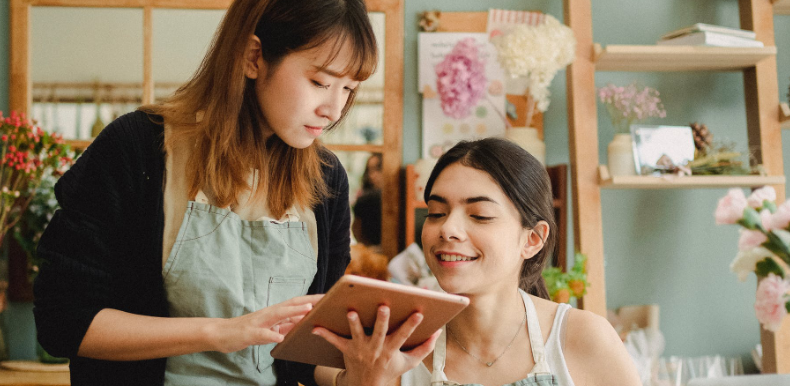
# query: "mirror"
[659,148]
[69,75]
[83,72]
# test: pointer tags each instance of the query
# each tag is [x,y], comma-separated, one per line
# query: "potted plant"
[626,106]
[531,56]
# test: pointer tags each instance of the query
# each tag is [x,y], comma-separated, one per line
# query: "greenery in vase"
[27,155]
[563,286]
[34,220]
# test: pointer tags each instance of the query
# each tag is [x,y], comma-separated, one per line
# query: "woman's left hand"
[377,359]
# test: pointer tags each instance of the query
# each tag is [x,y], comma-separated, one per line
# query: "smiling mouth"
[451,258]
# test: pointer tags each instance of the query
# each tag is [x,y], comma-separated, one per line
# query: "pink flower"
[751,239]
[731,206]
[757,197]
[460,79]
[766,219]
[772,294]
[781,219]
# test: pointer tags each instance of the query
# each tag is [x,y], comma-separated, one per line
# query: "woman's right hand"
[267,325]
[377,359]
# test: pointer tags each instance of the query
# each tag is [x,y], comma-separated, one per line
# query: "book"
[702,27]
[711,39]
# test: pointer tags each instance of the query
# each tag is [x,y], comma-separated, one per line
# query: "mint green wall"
[661,246]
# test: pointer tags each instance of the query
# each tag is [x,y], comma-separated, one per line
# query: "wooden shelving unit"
[686,182]
[678,58]
[784,115]
[782,7]
[762,123]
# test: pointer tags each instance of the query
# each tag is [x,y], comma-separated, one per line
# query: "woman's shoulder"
[136,131]
[333,170]
[594,351]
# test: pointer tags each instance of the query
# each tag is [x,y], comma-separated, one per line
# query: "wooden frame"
[20,85]
[763,125]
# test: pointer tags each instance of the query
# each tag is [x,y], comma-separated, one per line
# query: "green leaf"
[751,219]
[768,265]
[777,245]
[770,205]
[787,306]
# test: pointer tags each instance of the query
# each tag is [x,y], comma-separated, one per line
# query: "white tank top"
[421,375]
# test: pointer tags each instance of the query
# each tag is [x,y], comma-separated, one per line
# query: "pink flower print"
[460,79]
[772,294]
[750,239]
[757,197]
[731,206]
[781,219]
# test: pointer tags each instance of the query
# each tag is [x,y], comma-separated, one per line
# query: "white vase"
[620,156]
[527,138]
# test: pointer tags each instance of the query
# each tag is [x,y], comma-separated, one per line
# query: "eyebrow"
[470,200]
[327,71]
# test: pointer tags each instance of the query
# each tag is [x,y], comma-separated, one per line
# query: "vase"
[620,155]
[527,138]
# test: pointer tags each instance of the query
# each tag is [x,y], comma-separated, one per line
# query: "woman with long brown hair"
[190,230]
[488,235]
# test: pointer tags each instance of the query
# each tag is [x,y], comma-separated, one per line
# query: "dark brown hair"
[524,181]
[228,139]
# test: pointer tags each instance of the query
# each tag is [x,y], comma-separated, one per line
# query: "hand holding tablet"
[364,296]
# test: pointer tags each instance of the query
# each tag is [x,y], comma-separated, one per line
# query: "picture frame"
[659,147]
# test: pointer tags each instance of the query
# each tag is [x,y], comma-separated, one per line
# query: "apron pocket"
[284,288]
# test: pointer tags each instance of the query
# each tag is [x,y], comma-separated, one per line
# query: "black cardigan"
[103,249]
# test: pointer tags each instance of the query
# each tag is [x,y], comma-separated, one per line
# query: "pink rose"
[772,294]
[781,219]
[731,206]
[757,197]
[751,239]
[766,219]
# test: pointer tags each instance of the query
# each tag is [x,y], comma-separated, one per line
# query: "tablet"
[364,295]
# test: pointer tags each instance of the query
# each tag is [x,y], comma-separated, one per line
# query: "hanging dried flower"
[537,52]
[429,21]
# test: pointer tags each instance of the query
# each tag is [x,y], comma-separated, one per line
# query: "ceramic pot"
[527,138]
[620,156]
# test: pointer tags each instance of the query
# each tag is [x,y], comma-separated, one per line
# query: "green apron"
[222,266]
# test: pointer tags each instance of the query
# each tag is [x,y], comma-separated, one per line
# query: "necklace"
[489,364]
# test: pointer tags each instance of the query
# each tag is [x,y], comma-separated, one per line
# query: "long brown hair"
[228,138]
[524,181]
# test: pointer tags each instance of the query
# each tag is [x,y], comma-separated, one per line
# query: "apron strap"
[535,336]
[439,355]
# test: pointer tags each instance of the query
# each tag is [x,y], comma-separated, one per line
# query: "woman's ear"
[534,239]
[253,61]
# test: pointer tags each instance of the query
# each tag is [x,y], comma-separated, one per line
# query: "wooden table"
[33,377]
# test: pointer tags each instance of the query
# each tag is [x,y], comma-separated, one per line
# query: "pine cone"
[703,138]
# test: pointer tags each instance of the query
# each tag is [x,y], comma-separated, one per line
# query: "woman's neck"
[489,322]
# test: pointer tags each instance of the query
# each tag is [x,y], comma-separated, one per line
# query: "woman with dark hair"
[488,235]
[190,230]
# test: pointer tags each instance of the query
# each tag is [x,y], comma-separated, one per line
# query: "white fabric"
[553,358]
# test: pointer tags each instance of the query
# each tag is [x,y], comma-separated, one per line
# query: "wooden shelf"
[781,7]
[687,182]
[678,58]
[784,115]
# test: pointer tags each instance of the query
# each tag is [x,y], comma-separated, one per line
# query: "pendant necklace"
[491,363]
